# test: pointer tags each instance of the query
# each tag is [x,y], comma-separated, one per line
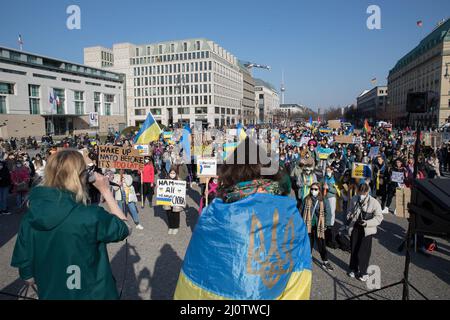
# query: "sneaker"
[5,212]
[327,266]
[170,231]
[351,274]
[139,227]
[174,231]
[385,210]
[363,278]
[395,212]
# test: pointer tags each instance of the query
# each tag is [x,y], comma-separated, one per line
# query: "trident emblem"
[271,266]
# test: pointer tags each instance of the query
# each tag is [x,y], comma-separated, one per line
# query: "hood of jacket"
[49,207]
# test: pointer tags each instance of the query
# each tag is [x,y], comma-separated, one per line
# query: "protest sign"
[324,153]
[361,170]
[325,130]
[357,131]
[344,139]
[207,167]
[357,140]
[397,177]
[334,124]
[374,152]
[143,149]
[167,134]
[93,119]
[409,140]
[304,141]
[171,193]
[432,139]
[120,158]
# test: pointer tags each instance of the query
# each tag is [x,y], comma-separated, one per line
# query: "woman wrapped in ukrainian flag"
[250,243]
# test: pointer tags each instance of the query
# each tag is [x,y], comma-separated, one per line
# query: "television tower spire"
[282,89]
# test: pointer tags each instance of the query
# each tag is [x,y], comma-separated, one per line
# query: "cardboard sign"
[409,140]
[344,139]
[143,149]
[334,124]
[397,177]
[93,119]
[357,131]
[206,167]
[374,152]
[120,158]
[170,193]
[361,170]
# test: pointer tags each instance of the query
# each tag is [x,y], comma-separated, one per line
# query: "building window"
[217,110]
[6,88]
[33,91]
[201,110]
[79,102]
[197,45]
[185,48]
[109,99]
[97,102]
[2,104]
[156,112]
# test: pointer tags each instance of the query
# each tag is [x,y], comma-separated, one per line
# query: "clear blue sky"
[328,54]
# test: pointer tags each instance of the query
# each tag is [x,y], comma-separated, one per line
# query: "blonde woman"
[61,245]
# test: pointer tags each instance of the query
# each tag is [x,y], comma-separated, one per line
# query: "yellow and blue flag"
[150,131]
[256,248]
[241,132]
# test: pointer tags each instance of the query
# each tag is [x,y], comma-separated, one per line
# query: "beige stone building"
[42,95]
[423,69]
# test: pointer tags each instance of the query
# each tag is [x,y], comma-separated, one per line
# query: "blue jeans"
[131,207]
[20,197]
[4,191]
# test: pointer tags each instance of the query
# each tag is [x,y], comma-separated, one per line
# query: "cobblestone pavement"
[151,268]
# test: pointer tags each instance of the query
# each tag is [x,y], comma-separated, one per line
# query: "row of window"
[173,68]
[170,57]
[187,111]
[172,90]
[164,80]
[172,101]
[56,105]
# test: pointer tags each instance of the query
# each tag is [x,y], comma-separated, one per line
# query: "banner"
[111,157]
[374,152]
[409,140]
[361,170]
[143,149]
[167,134]
[207,167]
[325,130]
[93,119]
[334,124]
[397,177]
[344,139]
[324,153]
[170,193]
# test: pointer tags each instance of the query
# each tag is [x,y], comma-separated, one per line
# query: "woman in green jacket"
[61,245]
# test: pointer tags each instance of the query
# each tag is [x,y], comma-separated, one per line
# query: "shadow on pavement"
[165,275]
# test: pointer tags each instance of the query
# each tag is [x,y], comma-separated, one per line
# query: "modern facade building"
[28,80]
[372,104]
[267,101]
[423,69]
[248,101]
[177,81]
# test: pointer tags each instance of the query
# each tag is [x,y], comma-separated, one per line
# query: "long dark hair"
[233,172]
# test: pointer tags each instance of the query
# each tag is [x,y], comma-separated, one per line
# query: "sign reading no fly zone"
[170,193]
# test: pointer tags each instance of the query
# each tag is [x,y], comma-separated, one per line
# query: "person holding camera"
[61,244]
[363,218]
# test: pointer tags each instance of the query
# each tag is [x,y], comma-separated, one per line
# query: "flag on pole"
[419,23]
[20,41]
[241,132]
[374,81]
[367,128]
[150,131]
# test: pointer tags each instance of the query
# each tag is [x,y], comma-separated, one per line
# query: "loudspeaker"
[421,102]
[430,207]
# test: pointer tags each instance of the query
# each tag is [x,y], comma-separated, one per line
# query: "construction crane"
[250,65]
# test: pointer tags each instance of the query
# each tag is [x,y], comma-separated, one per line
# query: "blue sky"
[328,54]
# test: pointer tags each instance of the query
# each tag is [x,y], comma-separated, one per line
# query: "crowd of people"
[315,169]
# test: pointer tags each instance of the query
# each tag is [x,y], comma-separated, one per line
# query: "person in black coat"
[5,184]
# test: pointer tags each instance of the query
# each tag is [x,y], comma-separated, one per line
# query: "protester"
[363,217]
[148,179]
[61,235]
[20,178]
[316,214]
[173,213]
[126,198]
[5,185]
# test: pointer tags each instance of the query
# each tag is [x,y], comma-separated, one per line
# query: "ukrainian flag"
[149,131]
[241,132]
[254,249]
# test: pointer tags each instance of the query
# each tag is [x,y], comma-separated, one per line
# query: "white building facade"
[28,80]
[181,81]
[267,101]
